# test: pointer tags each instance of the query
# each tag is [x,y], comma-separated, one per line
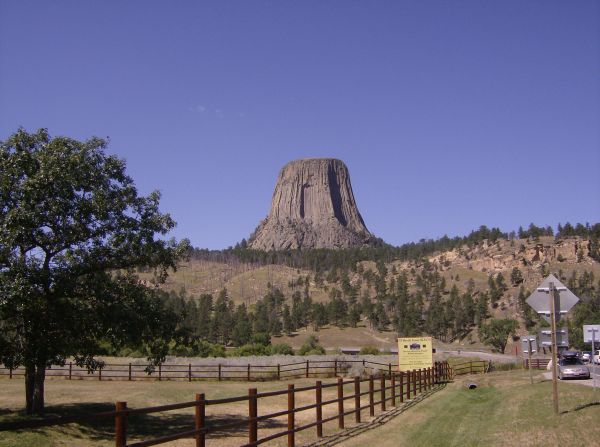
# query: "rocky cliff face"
[312,207]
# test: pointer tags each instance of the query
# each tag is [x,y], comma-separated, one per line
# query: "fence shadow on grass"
[140,426]
[340,437]
[581,407]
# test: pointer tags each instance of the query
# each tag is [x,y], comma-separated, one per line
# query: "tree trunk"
[29,386]
[38,391]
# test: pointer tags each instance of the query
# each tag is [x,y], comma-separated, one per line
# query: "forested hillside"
[457,289]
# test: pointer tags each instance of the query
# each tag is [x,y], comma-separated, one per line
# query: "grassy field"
[504,410]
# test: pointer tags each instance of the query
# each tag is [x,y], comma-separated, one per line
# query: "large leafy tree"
[73,230]
[497,331]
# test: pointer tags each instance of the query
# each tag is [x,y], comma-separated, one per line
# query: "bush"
[282,349]
[251,349]
[261,338]
[311,347]
[369,350]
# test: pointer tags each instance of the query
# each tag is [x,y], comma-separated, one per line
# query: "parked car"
[586,356]
[571,367]
[596,358]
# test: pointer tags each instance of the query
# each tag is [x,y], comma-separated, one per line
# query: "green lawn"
[504,410]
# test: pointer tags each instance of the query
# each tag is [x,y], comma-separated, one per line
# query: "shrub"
[250,349]
[282,349]
[369,350]
[261,338]
[311,347]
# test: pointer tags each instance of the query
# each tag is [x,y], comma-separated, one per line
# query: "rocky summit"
[313,206]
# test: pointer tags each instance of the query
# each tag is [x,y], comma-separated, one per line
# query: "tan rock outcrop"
[313,206]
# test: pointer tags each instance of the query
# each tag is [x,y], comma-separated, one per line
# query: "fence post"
[248,372]
[159,372]
[335,371]
[414,378]
[340,396]
[129,376]
[382,385]
[70,370]
[420,380]
[291,408]
[278,371]
[357,398]
[393,379]
[252,414]
[401,387]
[200,418]
[390,369]
[408,385]
[307,368]
[319,408]
[189,372]
[10,372]
[121,425]
[219,372]
[100,373]
[371,400]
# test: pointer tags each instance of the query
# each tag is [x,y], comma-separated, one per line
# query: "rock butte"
[313,206]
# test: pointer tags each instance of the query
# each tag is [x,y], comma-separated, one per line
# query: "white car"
[596,358]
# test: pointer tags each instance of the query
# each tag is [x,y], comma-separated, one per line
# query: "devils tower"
[313,206]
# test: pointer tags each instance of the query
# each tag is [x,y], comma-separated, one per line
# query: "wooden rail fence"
[224,371]
[471,367]
[536,363]
[392,389]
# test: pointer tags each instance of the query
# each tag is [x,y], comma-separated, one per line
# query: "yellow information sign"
[415,353]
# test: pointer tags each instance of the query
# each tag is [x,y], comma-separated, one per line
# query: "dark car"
[571,367]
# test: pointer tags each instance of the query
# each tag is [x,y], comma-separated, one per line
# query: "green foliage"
[496,332]
[281,349]
[261,338]
[73,230]
[311,347]
[369,350]
[251,349]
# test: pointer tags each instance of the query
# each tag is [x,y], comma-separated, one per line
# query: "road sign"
[529,340]
[591,333]
[563,300]
[562,338]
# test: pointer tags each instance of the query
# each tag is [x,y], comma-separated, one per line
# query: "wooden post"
[248,372]
[371,400]
[382,385]
[291,407]
[189,372]
[357,398]
[219,372]
[319,408]
[278,371]
[200,420]
[401,387]
[420,380]
[129,376]
[393,379]
[159,372]
[252,415]
[121,425]
[307,369]
[414,378]
[100,373]
[335,371]
[390,370]
[70,370]
[340,399]
[10,373]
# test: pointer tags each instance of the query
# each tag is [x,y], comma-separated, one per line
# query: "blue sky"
[448,114]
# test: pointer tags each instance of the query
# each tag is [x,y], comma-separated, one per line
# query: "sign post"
[551,299]
[589,334]
[529,346]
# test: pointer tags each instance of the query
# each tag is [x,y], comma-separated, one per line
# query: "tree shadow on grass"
[581,407]
[139,426]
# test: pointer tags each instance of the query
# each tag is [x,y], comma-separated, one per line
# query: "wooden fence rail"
[471,367]
[395,388]
[223,371]
[536,363]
